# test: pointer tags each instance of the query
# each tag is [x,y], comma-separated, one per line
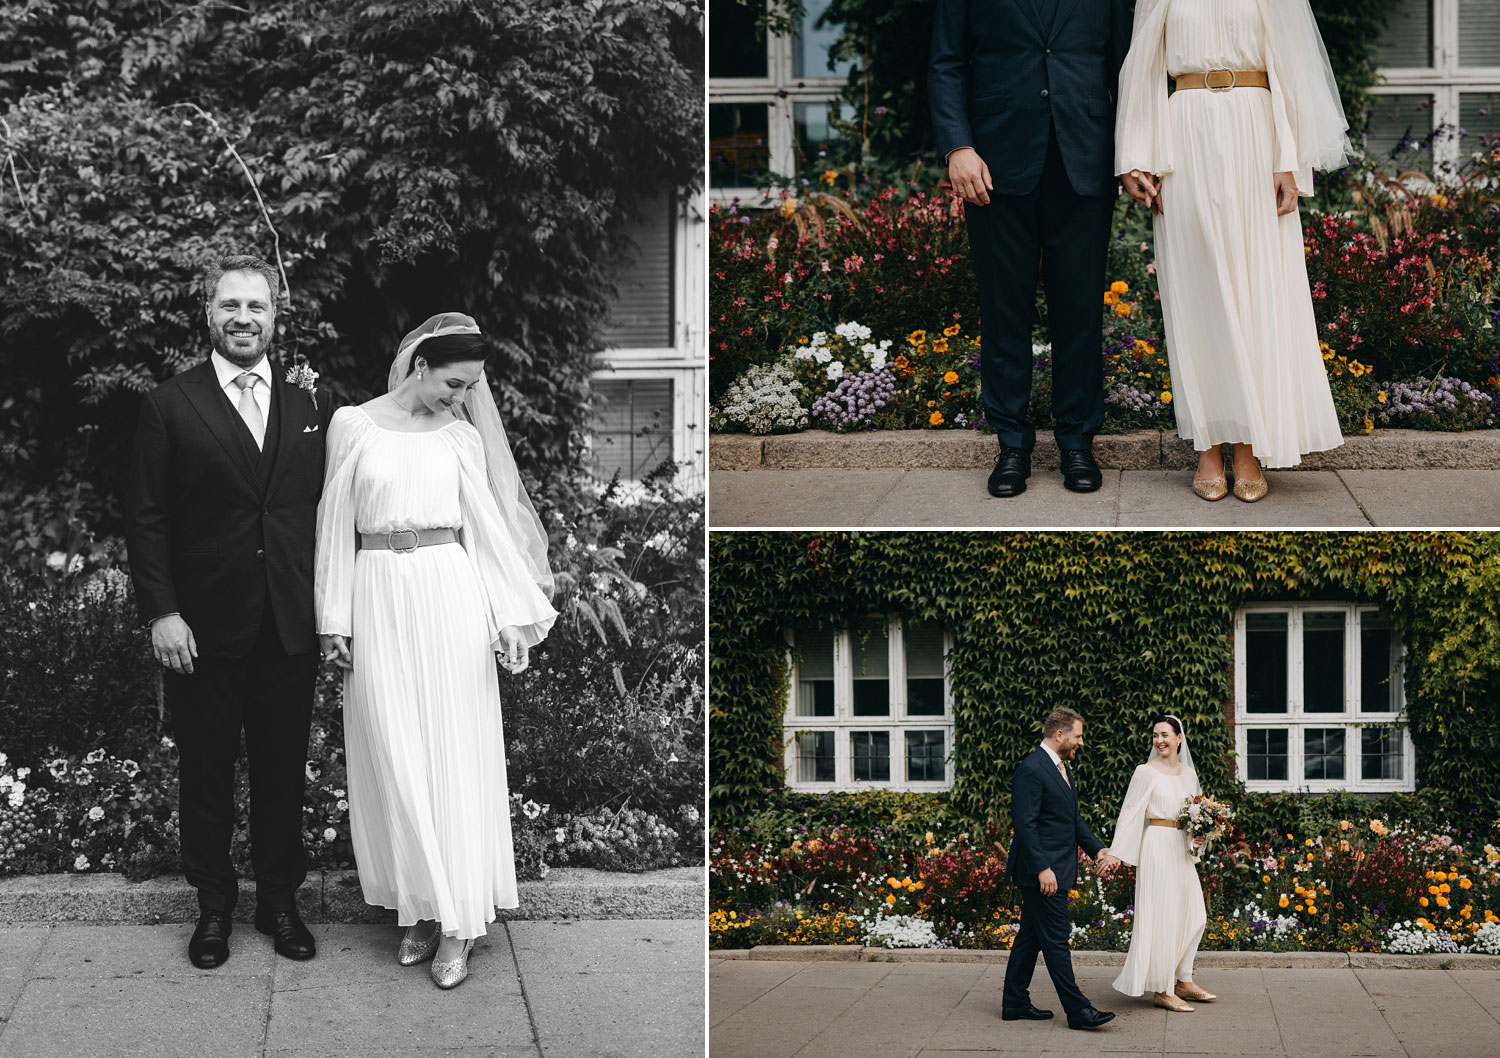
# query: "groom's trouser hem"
[1069,233]
[1044,930]
[267,695]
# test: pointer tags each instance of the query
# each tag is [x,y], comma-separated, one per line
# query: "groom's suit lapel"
[291,423]
[1057,780]
[1062,10]
[201,385]
[1030,8]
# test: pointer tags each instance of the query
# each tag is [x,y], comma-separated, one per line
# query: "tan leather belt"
[1165,823]
[404,540]
[1223,80]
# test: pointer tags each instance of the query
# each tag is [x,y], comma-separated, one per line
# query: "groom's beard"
[237,356]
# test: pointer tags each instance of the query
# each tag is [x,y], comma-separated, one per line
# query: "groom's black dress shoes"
[1080,472]
[1026,1013]
[1089,1018]
[210,944]
[1010,473]
[292,939]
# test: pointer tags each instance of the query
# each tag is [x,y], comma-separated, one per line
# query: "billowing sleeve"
[1130,828]
[1143,132]
[511,596]
[333,566]
[1307,116]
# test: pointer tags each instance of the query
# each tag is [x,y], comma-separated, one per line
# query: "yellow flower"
[940,345]
[1465,884]
[1442,901]
[1369,424]
[1344,824]
[916,337]
[1123,309]
[1284,901]
[893,883]
[936,418]
[952,331]
[1119,286]
[951,377]
[1380,396]
[1111,298]
[1440,201]
[1072,894]
[890,899]
[929,837]
[829,176]
[1422,900]
[1265,879]
[1452,876]
[1166,396]
[788,206]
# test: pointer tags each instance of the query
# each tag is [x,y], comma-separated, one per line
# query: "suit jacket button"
[1049,51]
[1045,93]
[260,553]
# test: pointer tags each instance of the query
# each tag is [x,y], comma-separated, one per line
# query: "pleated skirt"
[1242,341]
[429,808]
[1169,916]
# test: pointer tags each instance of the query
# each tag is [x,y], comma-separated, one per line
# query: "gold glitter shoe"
[1188,990]
[1211,488]
[413,951]
[447,974]
[1161,999]
[1250,491]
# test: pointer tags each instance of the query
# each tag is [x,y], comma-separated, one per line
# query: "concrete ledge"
[1137,450]
[334,896]
[731,954]
[1215,960]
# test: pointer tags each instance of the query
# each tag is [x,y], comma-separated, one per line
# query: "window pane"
[1323,663]
[640,316]
[815,673]
[632,425]
[811,42]
[814,127]
[1399,131]
[815,761]
[924,756]
[739,150]
[1478,33]
[1479,117]
[872,755]
[872,667]
[1265,662]
[1381,753]
[1408,35]
[924,668]
[735,47]
[1266,754]
[1377,664]
[1323,753]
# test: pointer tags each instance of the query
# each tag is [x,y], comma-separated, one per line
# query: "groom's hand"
[1048,881]
[173,645]
[1143,188]
[338,650]
[968,173]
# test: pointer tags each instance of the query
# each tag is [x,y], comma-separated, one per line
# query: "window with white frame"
[1318,699]
[869,707]
[1439,65]
[772,96]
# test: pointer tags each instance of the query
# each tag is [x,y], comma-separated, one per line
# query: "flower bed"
[1366,883]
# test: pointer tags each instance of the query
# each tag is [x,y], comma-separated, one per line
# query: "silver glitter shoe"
[452,974]
[414,951]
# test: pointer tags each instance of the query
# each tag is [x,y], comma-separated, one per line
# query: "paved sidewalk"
[567,989]
[849,1009]
[893,497]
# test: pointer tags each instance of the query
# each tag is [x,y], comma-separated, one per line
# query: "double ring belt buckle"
[1221,85]
[390,540]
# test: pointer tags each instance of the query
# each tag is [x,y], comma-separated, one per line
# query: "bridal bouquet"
[1203,817]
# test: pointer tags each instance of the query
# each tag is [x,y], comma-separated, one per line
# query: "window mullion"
[896,663]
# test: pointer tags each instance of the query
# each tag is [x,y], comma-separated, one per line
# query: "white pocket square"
[309,429]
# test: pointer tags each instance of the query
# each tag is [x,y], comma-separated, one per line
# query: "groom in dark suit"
[221,514]
[1023,103]
[1044,864]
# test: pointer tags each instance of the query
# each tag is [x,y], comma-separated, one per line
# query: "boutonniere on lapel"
[304,377]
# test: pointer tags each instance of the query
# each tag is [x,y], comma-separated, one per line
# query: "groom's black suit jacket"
[1044,813]
[213,527]
[1004,71]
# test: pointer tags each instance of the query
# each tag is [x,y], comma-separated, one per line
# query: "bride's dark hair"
[1170,721]
[448,349]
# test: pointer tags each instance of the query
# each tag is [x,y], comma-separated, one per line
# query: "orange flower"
[1111,298]
[916,337]
[1122,309]
[936,418]
[940,345]
[951,377]
[1119,286]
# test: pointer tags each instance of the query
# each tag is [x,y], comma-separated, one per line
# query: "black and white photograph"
[352,502]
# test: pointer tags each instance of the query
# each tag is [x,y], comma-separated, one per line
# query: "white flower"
[531,809]
[167,743]
[343,805]
[75,565]
[96,813]
[822,355]
[81,863]
[95,757]
[330,834]
[878,360]
[820,338]
[835,371]
[57,560]
[130,768]
[560,835]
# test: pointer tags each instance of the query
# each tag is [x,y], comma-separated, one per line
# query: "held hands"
[1286,194]
[970,176]
[337,649]
[1109,863]
[1144,188]
[512,650]
[173,645]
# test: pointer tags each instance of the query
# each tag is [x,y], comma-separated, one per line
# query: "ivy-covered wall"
[1116,625]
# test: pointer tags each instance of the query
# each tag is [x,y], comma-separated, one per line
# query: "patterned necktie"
[249,409]
[1063,770]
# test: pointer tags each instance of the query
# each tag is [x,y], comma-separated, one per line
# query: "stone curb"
[1137,450]
[334,896]
[1217,960]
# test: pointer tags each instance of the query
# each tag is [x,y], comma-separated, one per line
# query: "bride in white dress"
[1221,163]
[429,559]
[1169,909]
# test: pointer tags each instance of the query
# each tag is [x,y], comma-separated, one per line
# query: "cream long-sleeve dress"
[429,809]
[1169,910]
[1242,341]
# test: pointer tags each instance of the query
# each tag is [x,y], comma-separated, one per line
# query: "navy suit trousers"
[1045,929]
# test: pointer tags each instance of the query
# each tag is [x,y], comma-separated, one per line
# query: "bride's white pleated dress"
[1169,917]
[1242,341]
[429,810]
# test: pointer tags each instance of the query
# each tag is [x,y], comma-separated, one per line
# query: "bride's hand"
[513,653]
[1286,194]
[337,649]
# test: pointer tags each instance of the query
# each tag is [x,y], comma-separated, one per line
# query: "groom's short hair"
[238,262]
[1060,719]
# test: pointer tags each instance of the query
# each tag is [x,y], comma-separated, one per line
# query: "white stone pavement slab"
[850,1009]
